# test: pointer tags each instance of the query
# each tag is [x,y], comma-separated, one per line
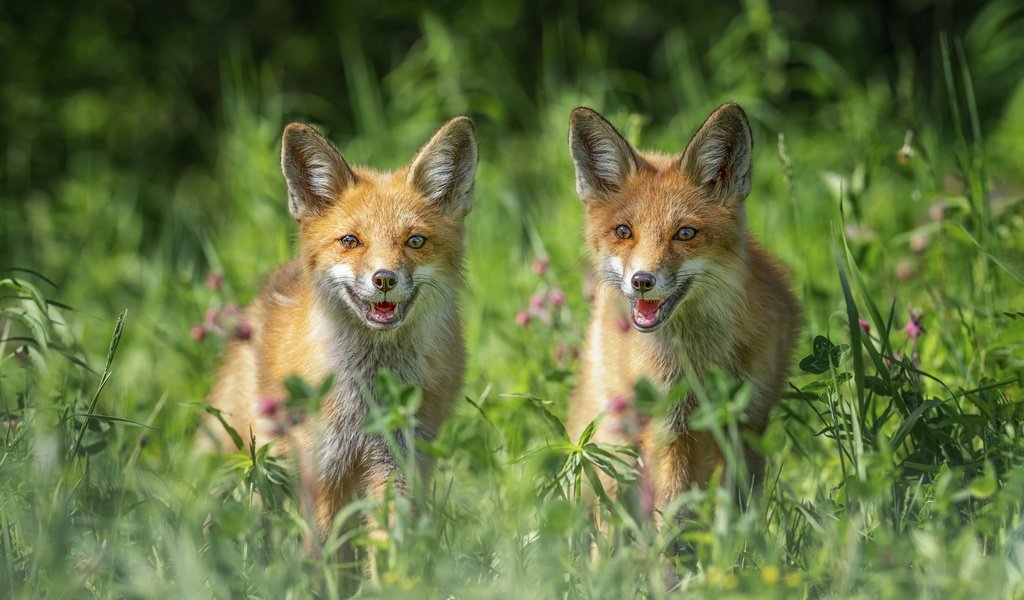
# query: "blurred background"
[140,94]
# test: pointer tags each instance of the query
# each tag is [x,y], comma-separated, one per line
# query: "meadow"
[142,202]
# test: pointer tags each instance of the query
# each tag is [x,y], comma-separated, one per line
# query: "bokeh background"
[139,153]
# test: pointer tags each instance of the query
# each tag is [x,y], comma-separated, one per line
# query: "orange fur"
[323,314]
[726,302]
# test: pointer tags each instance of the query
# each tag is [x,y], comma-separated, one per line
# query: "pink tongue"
[647,310]
[384,310]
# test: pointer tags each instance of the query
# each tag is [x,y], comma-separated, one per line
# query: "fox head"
[664,230]
[381,246]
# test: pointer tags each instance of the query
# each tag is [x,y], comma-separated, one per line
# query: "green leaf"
[822,352]
[912,420]
[235,438]
[986,484]
[540,408]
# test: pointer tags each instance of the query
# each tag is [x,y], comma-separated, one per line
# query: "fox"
[375,286]
[681,286]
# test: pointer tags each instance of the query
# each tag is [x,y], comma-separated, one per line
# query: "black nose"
[643,281]
[385,280]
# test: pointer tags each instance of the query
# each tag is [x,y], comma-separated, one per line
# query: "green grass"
[895,464]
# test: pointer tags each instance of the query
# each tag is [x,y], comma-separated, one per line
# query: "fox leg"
[765,397]
[383,481]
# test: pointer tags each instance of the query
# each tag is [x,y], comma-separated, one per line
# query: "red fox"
[375,286]
[683,286]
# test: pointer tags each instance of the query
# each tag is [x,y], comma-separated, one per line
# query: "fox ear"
[443,169]
[718,156]
[314,169]
[602,156]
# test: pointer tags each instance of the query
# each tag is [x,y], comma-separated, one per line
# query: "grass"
[895,463]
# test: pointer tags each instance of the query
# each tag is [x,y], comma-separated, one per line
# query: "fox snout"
[642,281]
[385,284]
[653,296]
[385,280]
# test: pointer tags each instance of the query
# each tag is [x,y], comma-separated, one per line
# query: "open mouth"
[383,312]
[380,314]
[650,314]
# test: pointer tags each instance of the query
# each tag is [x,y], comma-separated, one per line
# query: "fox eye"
[416,242]
[623,232]
[349,242]
[686,233]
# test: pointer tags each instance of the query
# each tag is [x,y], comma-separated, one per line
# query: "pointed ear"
[314,169]
[718,156]
[443,169]
[602,156]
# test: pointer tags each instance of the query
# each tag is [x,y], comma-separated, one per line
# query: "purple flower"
[210,318]
[243,331]
[267,406]
[540,265]
[618,404]
[913,327]
[214,280]
[557,297]
[865,325]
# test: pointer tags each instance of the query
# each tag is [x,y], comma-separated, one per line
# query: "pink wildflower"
[865,325]
[267,406]
[540,265]
[210,318]
[557,297]
[214,280]
[537,301]
[243,331]
[198,333]
[618,404]
[913,327]
[522,318]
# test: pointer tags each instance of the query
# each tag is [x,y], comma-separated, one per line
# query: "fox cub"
[682,286]
[375,286]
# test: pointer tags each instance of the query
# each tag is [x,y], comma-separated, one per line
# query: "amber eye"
[416,241]
[623,232]
[349,242]
[686,233]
